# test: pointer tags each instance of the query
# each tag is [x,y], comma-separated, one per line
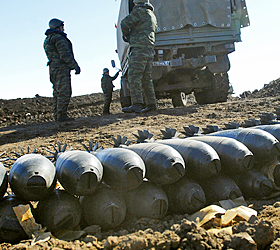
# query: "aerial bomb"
[10,229]
[106,208]
[164,164]
[272,129]
[79,172]
[201,160]
[123,168]
[3,180]
[235,156]
[32,177]
[263,145]
[59,211]
[253,184]
[148,200]
[276,175]
[185,196]
[220,187]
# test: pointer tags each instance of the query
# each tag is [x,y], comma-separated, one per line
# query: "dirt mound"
[29,122]
[270,89]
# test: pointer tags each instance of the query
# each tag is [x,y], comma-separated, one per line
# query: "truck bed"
[191,36]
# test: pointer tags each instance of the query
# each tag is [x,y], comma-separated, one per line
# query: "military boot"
[135,108]
[149,108]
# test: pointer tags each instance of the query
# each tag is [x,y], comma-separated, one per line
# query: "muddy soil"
[28,124]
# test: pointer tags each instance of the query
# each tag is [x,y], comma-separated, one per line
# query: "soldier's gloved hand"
[77,70]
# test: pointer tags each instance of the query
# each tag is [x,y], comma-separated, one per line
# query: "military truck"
[193,40]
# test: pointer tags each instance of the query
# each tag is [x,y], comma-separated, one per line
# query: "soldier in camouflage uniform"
[59,51]
[107,88]
[138,29]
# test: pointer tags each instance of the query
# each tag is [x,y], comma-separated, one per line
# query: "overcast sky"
[90,25]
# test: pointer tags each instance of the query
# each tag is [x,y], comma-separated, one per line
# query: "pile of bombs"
[150,178]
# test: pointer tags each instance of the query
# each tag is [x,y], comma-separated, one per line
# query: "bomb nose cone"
[87,183]
[105,207]
[36,183]
[214,167]
[266,187]
[112,215]
[276,175]
[248,162]
[134,177]
[11,231]
[198,200]
[63,220]
[159,208]
[179,171]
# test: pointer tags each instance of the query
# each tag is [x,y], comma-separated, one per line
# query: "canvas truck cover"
[176,14]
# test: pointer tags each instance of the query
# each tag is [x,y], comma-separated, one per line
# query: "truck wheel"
[125,100]
[179,99]
[218,93]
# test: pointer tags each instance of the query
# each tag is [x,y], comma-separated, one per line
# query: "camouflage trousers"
[62,91]
[140,76]
[107,102]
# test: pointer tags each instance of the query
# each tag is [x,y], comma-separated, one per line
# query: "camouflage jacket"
[107,83]
[59,50]
[139,26]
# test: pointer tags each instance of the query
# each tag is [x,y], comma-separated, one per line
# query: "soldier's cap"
[54,23]
[105,70]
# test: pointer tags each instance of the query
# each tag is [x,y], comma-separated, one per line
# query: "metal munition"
[3,180]
[220,187]
[235,156]
[201,160]
[59,211]
[106,208]
[253,184]
[32,177]
[10,229]
[79,172]
[263,145]
[164,164]
[123,168]
[148,200]
[184,196]
[276,175]
[273,129]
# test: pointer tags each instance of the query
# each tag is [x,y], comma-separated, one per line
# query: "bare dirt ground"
[29,122]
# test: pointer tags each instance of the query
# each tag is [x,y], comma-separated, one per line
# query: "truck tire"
[124,100]
[179,99]
[218,93]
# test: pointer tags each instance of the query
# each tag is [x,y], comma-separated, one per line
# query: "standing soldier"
[107,88]
[59,51]
[138,30]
